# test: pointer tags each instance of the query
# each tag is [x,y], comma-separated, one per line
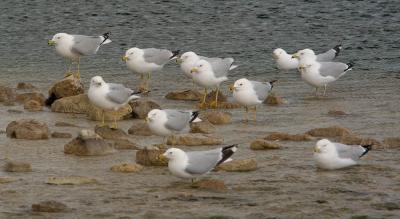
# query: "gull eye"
[201,65]
[241,84]
[170,153]
[302,53]
[58,37]
[131,53]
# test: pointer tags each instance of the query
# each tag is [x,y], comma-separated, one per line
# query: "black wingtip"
[227,152]
[337,49]
[349,66]
[175,54]
[195,114]
[367,147]
[106,36]
[140,92]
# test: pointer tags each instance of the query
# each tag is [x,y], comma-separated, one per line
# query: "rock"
[38,97]
[211,97]
[202,127]
[193,139]
[68,86]
[14,111]
[280,136]
[261,144]
[392,142]
[25,86]
[335,112]
[27,129]
[4,180]
[124,144]
[274,100]
[13,166]
[96,113]
[228,105]
[140,128]
[70,180]
[238,165]
[127,168]
[191,95]
[32,106]
[387,206]
[88,143]
[353,139]
[210,184]
[7,94]
[151,157]
[109,133]
[218,117]
[49,206]
[333,131]
[64,124]
[140,108]
[61,135]
[73,104]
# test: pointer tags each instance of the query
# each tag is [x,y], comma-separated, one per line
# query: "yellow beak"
[179,61]
[51,42]
[125,58]
[317,150]
[147,119]
[295,56]
[162,157]
[232,88]
[194,70]
[302,66]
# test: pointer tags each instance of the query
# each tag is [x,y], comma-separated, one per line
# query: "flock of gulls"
[208,73]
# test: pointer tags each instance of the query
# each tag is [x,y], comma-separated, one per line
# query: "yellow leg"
[78,74]
[102,118]
[246,114]
[203,104]
[316,91]
[325,90]
[215,103]
[255,113]
[115,126]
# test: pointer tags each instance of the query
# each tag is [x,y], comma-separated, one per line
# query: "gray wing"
[349,151]
[220,66]
[157,56]
[333,69]
[200,162]
[261,89]
[177,120]
[326,56]
[86,45]
[118,93]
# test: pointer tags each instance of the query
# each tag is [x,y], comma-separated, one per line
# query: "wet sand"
[287,183]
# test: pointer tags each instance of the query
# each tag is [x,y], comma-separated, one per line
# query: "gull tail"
[174,54]
[367,148]
[134,97]
[349,66]
[337,49]
[227,152]
[233,67]
[272,83]
[105,38]
[194,118]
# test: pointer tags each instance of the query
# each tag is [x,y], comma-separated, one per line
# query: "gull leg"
[215,103]
[102,119]
[247,111]
[324,90]
[316,91]
[203,104]
[68,64]
[78,74]
[115,126]
[255,113]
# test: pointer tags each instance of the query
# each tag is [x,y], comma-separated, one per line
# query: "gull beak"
[317,150]
[147,119]
[275,56]
[98,84]
[232,88]
[194,70]
[51,42]
[302,66]
[295,56]
[163,156]
[125,58]
[179,61]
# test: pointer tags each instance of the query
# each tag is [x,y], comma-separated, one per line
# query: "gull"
[284,61]
[319,74]
[170,121]
[109,96]
[146,61]
[209,74]
[330,155]
[251,93]
[196,163]
[73,47]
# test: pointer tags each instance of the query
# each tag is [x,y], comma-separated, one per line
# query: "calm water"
[287,184]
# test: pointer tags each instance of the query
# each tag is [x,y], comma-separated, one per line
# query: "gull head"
[278,53]
[174,154]
[305,53]
[201,66]
[241,84]
[187,57]
[59,38]
[156,115]
[323,146]
[97,81]
[132,53]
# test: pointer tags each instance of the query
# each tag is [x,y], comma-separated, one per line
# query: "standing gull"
[196,163]
[319,74]
[284,61]
[169,121]
[251,93]
[330,155]
[109,96]
[146,61]
[73,47]
[210,74]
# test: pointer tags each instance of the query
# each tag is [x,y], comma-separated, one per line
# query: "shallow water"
[287,183]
